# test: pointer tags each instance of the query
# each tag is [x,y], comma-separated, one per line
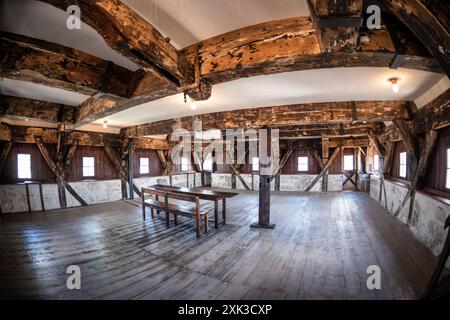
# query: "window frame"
[18,166]
[143,166]
[83,166]
[299,164]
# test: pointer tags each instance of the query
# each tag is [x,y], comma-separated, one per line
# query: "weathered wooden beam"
[30,109]
[377,144]
[408,137]
[59,174]
[131,35]
[426,27]
[419,172]
[283,162]
[298,114]
[337,23]
[324,169]
[5,132]
[434,115]
[4,154]
[267,48]
[28,59]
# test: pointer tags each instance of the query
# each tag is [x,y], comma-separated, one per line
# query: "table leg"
[224,210]
[216,214]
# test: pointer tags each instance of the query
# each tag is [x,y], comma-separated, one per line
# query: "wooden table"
[209,195]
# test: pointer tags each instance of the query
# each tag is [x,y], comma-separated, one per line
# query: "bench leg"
[224,210]
[167,220]
[152,212]
[175,219]
[197,226]
[216,214]
[143,212]
[206,223]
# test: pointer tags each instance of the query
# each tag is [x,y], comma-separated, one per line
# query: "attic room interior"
[224,150]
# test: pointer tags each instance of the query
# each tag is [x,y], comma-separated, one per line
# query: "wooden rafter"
[28,59]
[4,154]
[426,27]
[298,114]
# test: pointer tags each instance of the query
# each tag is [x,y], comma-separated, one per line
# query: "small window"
[403,164]
[88,166]
[184,164]
[207,163]
[302,163]
[144,165]
[376,162]
[447,181]
[255,164]
[24,166]
[348,162]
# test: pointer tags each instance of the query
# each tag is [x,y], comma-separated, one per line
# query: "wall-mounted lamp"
[394,84]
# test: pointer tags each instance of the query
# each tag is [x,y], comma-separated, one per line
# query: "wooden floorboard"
[320,249]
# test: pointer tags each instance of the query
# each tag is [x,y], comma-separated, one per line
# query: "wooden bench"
[189,207]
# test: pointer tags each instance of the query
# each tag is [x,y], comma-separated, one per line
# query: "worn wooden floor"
[320,249]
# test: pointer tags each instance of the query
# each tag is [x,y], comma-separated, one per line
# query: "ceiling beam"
[30,109]
[426,26]
[28,59]
[337,23]
[131,35]
[298,114]
[267,48]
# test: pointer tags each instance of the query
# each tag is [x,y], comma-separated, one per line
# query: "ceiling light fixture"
[394,84]
[105,124]
[192,102]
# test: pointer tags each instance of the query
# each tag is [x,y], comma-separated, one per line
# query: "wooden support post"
[320,163]
[419,173]
[59,172]
[264,189]
[325,157]
[130,169]
[4,154]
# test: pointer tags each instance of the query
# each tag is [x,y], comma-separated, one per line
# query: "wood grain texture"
[327,242]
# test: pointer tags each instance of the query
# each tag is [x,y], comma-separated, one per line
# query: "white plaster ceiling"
[186,22]
[320,85]
[36,91]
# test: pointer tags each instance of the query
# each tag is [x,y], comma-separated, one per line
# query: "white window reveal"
[184,164]
[144,165]
[88,166]
[255,164]
[24,166]
[208,163]
[447,181]
[403,164]
[376,162]
[302,164]
[348,162]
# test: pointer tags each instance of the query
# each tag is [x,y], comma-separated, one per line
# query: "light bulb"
[395,87]
[193,105]
[105,124]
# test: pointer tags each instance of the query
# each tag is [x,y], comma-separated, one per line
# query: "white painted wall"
[429,214]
